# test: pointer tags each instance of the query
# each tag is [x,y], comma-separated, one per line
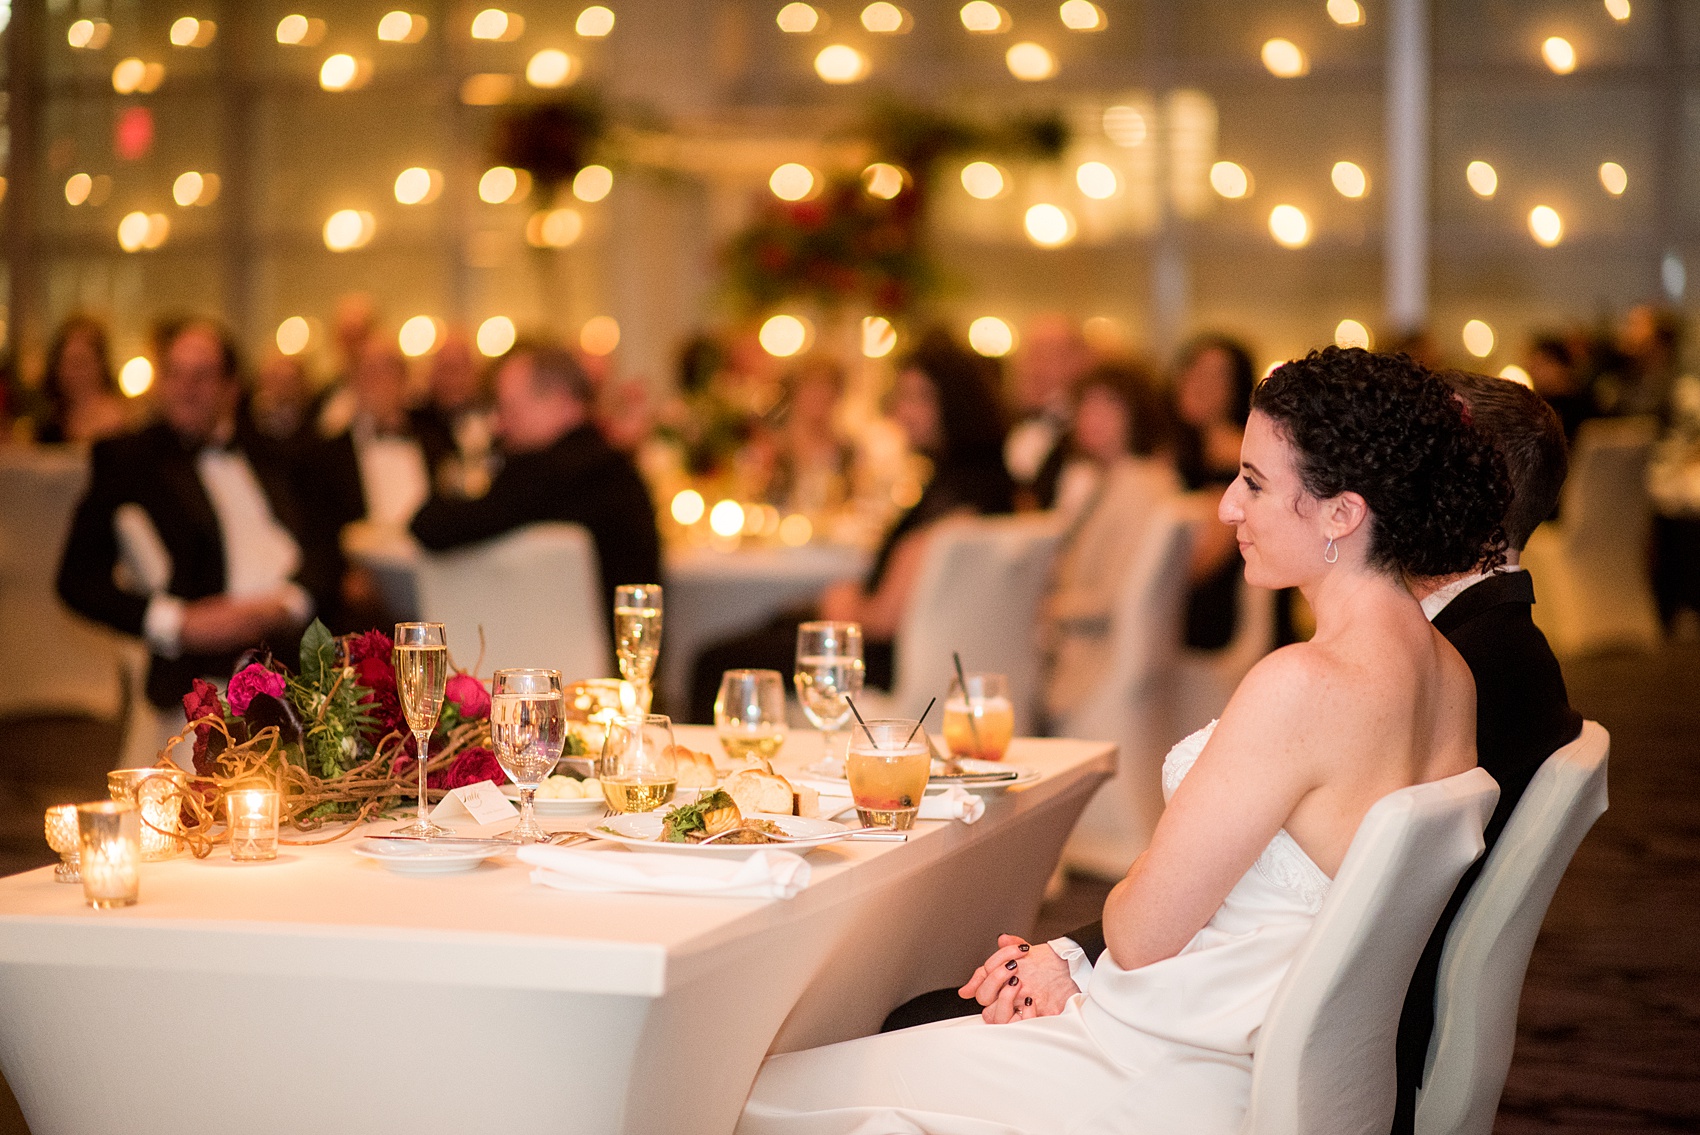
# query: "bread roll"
[757,791]
[696,770]
[806,801]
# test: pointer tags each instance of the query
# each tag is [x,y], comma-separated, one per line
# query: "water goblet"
[528,726]
[637,635]
[421,672]
[749,714]
[829,675]
[639,773]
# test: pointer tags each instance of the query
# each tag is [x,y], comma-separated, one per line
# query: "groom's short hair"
[1526,431]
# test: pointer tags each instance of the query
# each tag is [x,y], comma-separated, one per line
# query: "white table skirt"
[321,991]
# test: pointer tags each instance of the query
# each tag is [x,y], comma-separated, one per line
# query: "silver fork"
[781,838]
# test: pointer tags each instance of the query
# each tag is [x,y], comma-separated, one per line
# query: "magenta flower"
[470,695]
[470,767]
[250,680]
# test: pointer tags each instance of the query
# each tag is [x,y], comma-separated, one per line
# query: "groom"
[1523,715]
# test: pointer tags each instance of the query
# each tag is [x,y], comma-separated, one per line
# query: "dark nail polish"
[1009,964]
[1025,947]
[1014,980]
[1029,1001]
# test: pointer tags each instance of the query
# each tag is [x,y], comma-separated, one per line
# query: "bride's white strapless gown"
[1162,1049]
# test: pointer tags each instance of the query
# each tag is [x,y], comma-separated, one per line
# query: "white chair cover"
[1487,949]
[51,660]
[535,594]
[1324,1062]
[978,593]
[1132,704]
[1590,565]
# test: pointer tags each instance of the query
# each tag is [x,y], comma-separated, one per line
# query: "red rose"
[372,644]
[470,695]
[472,766]
[378,676]
[250,680]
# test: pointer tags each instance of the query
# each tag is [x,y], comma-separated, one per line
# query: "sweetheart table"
[321,992]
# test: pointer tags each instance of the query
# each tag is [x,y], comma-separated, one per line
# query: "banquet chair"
[534,595]
[1324,1062]
[1590,566]
[1487,950]
[1131,705]
[978,593]
[51,660]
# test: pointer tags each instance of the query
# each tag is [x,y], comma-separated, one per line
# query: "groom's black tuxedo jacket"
[156,470]
[1523,715]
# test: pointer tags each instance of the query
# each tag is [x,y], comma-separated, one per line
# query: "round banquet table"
[322,992]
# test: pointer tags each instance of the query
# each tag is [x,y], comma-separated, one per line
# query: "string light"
[594,22]
[300,31]
[1346,13]
[1546,225]
[1097,180]
[495,336]
[1289,226]
[502,184]
[348,229]
[1351,333]
[1483,181]
[1349,179]
[879,337]
[139,231]
[884,180]
[186,190]
[341,72]
[797,19]
[556,228]
[783,335]
[592,183]
[187,31]
[726,518]
[1284,59]
[793,182]
[493,24]
[1478,338]
[841,63]
[1618,10]
[293,335]
[417,336]
[1613,178]
[77,188]
[1082,16]
[1559,55]
[1230,180]
[135,377]
[991,337]
[983,180]
[417,185]
[1049,226]
[88,35]
[885,18]
[984,18]
[549,68]
[402,27]
[1030,62]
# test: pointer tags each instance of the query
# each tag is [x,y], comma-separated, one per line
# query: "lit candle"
[251,815]
[156,792]
[110,853]
[62,837]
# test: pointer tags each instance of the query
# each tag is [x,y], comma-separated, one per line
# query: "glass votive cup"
[251,817]
[61,824]
[157,792]
[109,842]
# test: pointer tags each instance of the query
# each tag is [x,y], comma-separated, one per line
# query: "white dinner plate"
[641,831]
[421,857]
[557,807]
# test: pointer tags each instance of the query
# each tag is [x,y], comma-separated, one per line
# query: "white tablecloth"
[321,992]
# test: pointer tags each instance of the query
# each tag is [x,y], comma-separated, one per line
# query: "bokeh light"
[555,228]
[798,19]
[1125,126]
[841,63]
[402,27]
[1030,62]
[1346,13]
[795,530]
[1517,374]
[492,24]
[1546,225]
[983,18]
[1097,180]
[983,180]
[1351,333]
[1082,16]
[339,72]
[549,68]
[1049,226]
[599,335]
[885,18]
[495,336]
[293,335]
[135,377]
[417,185]
[991,337]
[726,519]
[417,336]
[1483,181]
[77,188]
[1289,226]
[1284,59]
[884,180]
[687,507]
[594,22]
[187,31]
[879,337]
[793,182]
[1614,178]
[88,35]
[1559,55]
[593,183]
[501,184]
[1618,9]
[1478,338]
[348,229]
[1349,179]
[1230,180]
[783,335]
[186,190]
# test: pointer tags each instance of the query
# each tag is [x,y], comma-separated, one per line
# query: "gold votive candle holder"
[157,792]
[109,839]
[61,824]
[251,817]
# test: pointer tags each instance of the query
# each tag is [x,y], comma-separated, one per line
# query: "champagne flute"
[637,635]
[527,727]
[638,770]
[828,675]
[749,713]
[421,671]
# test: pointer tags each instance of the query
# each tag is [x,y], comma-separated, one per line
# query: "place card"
[482,803]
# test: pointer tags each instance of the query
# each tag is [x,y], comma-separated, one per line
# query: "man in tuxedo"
[556,465]
[1523,715]
[182,538]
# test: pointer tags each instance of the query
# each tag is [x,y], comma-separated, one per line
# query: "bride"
[1357,470]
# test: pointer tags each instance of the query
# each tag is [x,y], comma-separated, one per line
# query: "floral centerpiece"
[331,737]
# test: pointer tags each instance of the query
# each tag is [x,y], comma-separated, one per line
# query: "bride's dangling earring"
[1330,554]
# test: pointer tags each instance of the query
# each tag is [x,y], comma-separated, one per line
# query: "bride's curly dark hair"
[1387,429]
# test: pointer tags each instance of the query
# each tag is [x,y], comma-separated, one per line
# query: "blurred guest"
[355,322]
[460,410]
[83,403]
[555,466]
[1419,346]
[282,404]
[1651,338]
[1557,377]
[1117,415]
[1052,356]
[945,401]
[810,471]
[182,539]
[1212,399]
[1120,484]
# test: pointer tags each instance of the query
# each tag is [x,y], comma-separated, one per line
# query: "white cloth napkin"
[954,803]
[766,874]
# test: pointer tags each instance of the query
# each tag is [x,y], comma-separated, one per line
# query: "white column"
[1405,260]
